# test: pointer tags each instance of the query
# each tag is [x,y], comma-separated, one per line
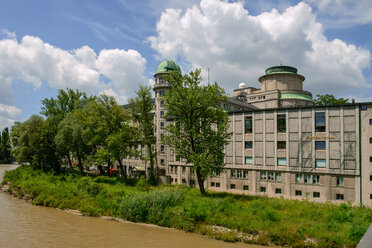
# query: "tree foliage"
[141,110]
[328,99]
[5,148]
[199,132]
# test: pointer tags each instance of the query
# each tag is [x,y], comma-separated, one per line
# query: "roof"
[168,65]
[281,69]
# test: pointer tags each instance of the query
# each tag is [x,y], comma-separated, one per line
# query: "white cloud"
[343,13]
[238,47]
[33,61]
[8,114]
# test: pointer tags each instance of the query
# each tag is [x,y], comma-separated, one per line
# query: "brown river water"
[25,225]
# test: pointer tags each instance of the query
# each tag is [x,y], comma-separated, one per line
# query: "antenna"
[208,75]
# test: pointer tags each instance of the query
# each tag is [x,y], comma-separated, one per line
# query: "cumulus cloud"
[8,114]
[238,47]
[345,13]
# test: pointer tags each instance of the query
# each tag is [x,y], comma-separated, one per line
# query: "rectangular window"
[248,145]
[278,191]
[232,173]
[162,149]
[245,187]
[270,176]
[370,196]
[183,170]
[307,179]
[370,178]
[282,161]
[246,174]
[142,150]
[263,175]
[316,194]
[363,107]
[370,159]
[162,125]
[370,140]
[212,184]
[320,163]
[320,145]
[248,160]
[370,121]
[339,196]
[262,189]
[240,173]
[162,113]
[218,185]
[248,124]
[339,181]
[298,192]
[232,186]
[161,103]
[278,177]
[298,178]
[281,145]
[320,125]
[316,179]
[281,125]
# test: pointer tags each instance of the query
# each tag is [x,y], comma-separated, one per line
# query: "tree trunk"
[124,173]
[79,160]
[101,171]
[108,167]
[200,182]
[69,159]
[153,175]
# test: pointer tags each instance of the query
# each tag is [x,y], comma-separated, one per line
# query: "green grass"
[264,220]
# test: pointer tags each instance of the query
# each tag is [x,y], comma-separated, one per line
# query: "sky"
[113,46]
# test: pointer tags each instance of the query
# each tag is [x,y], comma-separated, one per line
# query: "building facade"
[282,145]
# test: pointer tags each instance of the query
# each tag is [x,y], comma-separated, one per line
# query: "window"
[320,163]
[232,173]
[248,160]
[316,194]
[248,145]
[278,191]
[178,158]
[281,145]
[281,125]
[218,185]
[183,181]
[298,193]
[192,182]
[271,176]
[370,159]
[363,107]
[161,113]
[161,125]
[370,140]
[278,177]
[320,145]
[282,161]
[248,124]
[316,179]
[162,93]
[212,184]
[232,186]
[162,161]
[339,196]
[183,170]
[263,189]
[162,149]
[263,175]
[370,121]
[307,179]
[370,178]
[245,174]
[142,150]
[339,181]
[245,187]
[240,173]
[370,196]
[320,122]
[298,178]
[161,103]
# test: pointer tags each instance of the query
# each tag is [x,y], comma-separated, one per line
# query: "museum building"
[281,143]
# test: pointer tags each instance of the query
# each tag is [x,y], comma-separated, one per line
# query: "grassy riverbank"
[223,216]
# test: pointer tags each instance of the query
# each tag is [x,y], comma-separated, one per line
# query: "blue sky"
[112,46]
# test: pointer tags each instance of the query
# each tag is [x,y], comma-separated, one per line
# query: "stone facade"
[282,145]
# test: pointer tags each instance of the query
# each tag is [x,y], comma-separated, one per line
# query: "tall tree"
[328,99]
[199,133]
[142,112]
[5,148]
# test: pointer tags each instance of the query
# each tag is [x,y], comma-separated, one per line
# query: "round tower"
[161,86]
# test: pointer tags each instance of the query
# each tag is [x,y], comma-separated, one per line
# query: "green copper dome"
[168,65]
[281,69]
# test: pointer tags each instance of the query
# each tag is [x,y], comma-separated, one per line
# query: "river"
[25,225]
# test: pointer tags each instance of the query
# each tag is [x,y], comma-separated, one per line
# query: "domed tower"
[161,86]
[288,83]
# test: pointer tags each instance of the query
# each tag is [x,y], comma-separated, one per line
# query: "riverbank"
[229,217]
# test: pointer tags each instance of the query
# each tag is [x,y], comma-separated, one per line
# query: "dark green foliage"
[5,148]
[328,99]
[270,221]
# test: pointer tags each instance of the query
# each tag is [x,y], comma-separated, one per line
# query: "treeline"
[76,131]
[5,148]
